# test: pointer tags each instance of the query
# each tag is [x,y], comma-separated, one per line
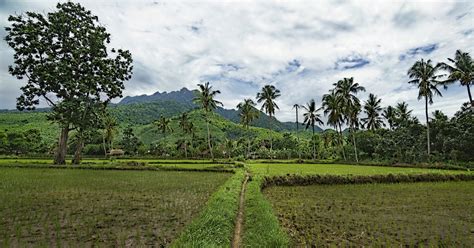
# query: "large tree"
[462,70]
[205,98]
[64,58]
[373,109]
[425,76]
[268,95]
[311,117]
[247,114]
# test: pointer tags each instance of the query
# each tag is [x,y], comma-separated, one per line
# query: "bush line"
[215,225]
[300,180]
[463,167]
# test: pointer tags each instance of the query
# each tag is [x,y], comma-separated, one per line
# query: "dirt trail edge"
[240,215]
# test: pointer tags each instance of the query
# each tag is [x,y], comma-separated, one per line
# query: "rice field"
[62,207]
[278,169]
[411,214]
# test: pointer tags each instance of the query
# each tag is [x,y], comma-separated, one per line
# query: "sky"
[301,47]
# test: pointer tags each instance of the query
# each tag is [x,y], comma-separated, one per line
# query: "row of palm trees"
[342,106]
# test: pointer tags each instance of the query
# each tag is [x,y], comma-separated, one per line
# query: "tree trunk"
[355,145]
[209,137]
[248,144]
[342,142]
[470,96]
[427,128]
[185,149]
[77,154]
[105,146]
[314,145]
[297,137]
[271,138]
[60,157]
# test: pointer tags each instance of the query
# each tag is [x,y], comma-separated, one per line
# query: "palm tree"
[296,107]
[389,113]
[268,95]
[353,119]
[164,124]
[333,108]
[424,76]
[347,90]
[247,114]
[205,98]
[184,125]
[311,117]
[190,130]
[372,109]
[110,128]
[229,146]
[462,70]
[402,114]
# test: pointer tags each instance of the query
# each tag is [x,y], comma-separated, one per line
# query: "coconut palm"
[311,117]
[184,125]
[425,76]
[333,108]
[268,95]
[372,109]
[164,124]
[296,107]
[190,130]
[353,120]
[110,129]
[402,114]
[247,114]
[390,115]
[205,98]
[347,90]
[462,70]
[228,147]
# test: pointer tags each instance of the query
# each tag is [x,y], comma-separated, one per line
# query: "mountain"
[182,96]
[151,107]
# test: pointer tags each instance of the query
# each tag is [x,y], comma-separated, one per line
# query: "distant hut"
[116,152]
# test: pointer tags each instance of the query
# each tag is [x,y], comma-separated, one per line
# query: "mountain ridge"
[185,97]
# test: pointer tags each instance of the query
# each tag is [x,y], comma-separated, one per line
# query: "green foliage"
[22,142]
[130,142]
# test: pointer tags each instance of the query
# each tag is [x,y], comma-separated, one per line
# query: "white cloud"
[179,43]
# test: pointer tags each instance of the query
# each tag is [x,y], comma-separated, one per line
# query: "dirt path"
[240,215]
